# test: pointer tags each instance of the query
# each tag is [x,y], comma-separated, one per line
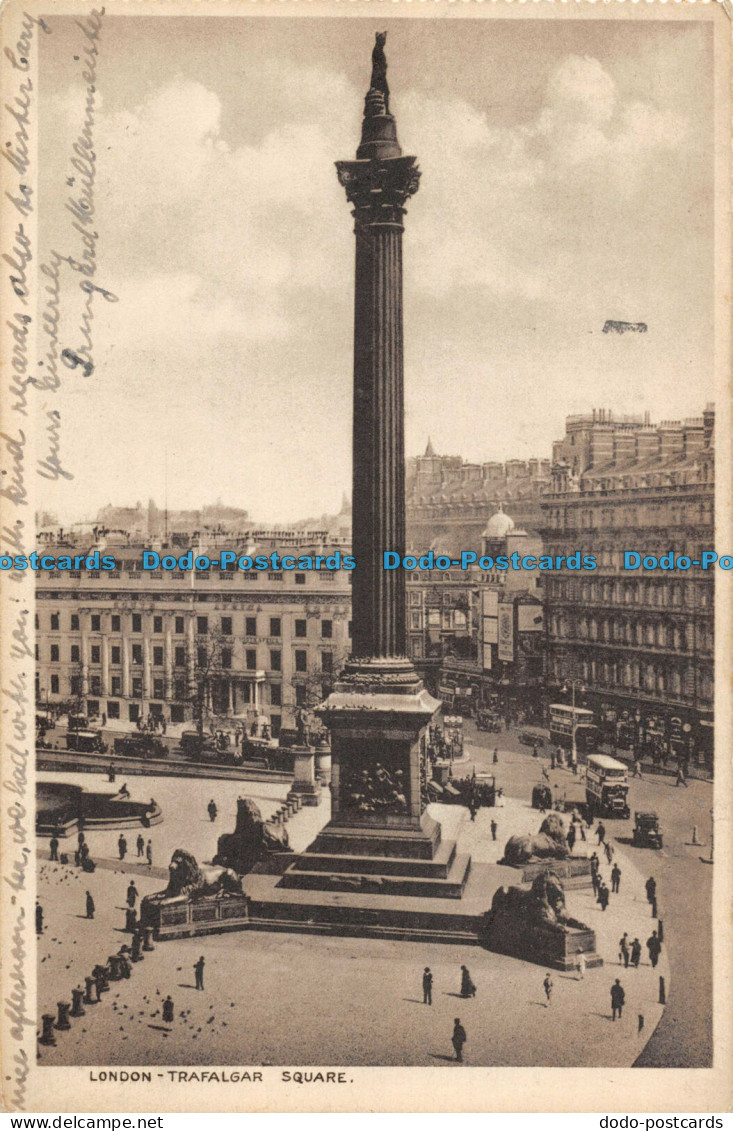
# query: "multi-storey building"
[132,642]
[448,499]
[640,642]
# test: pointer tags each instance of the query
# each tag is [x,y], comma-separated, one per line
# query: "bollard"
[77,1009]
[694,835]
[148,944]
[62,1021]
[115,971]
[47,1036]
[641,1022]
[660,930]
[88,999]
[662,992]
[99,973]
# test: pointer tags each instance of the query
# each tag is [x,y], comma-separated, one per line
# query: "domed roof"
[499,525]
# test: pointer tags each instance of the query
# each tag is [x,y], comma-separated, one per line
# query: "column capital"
[379,190]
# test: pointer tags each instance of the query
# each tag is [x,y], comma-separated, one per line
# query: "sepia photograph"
[366,633]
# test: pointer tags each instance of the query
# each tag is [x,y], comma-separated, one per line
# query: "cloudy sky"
[567,179]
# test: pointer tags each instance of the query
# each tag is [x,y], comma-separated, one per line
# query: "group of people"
[143,849]
[467,985]
[151,724]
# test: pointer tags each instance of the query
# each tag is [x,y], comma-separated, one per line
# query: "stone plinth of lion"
[542,906]
[549,844]
[187,879]
[252,840]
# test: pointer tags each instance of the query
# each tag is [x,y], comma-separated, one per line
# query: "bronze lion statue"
[543,905]
[549,844]
[187,879]
[252,840]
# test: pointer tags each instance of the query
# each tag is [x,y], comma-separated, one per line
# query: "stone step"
[437,868]
[449,887]
[406,933]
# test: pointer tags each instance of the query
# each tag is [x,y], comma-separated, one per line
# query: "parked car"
[527,738]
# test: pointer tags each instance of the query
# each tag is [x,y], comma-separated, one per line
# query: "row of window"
[204,625]
[652,678]
[664,594]
[205,660]
[639,633]
[180,694]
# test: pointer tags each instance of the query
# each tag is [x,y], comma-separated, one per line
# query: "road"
[684,1036]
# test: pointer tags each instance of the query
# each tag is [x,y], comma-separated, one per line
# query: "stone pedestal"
[304,787]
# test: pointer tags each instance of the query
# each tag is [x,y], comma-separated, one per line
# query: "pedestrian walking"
[212,810]
[472,807]
[547,984]
[458,1039]
[122,846]
[495,759]
[131,894]
[571,837]
[168,1010]
[681,779]
[623,950]
[149,853]
[651,890]
[90,906]
[54,847]
[468,989]
[140,844]
[615,878]
[580,967]
[534,750]
[427,986]
[654,947]
[608,849]
[552,759]
[635,954]
[494,829]
[199,972]
[618,997]
[39,919]
[637,768]
[601,832]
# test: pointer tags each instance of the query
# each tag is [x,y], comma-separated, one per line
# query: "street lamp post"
[573,684]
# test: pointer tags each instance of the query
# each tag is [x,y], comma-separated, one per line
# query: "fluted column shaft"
[379,487]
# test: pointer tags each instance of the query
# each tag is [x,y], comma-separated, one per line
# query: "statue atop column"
[378,84]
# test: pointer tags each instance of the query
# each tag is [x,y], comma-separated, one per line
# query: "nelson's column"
[380,837]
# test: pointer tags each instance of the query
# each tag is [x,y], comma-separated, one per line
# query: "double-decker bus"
[562,720]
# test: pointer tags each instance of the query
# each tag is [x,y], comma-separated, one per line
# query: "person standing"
[601,832]
[571,838]
[468,989]
[547,984]
[54,847]
[618,997]
[149,853]
[427,986]
[472,806]
[39,919]
[212,810]
[198,969]
[635,954]
[90,906]
[458,1039]
[651,890]
[495,759]
[623,950]
[140,845]
[494,829]
[654,947]
[603,896]
[615,878]
[580,967]
[122,846]
[168,1010]
[131,894]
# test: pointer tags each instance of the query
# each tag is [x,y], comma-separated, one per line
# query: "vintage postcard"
[366,557]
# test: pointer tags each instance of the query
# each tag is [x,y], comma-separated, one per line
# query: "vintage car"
[85,742]
[140,746]
[529,738]
[647,833]
[487,720]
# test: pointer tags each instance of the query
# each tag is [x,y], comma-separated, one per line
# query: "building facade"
[639,642]
[132,643]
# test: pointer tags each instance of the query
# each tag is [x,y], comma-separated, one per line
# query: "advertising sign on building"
[529,618]
[506,632]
